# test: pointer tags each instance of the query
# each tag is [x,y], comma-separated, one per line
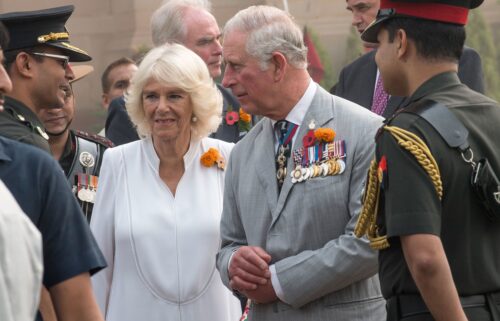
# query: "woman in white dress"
[156,215]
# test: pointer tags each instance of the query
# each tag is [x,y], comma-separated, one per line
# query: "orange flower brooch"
[213,157]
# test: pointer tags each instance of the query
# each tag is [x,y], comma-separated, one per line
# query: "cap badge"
[53,37]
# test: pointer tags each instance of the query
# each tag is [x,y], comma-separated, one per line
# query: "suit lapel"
[320,112]
[367,85]
[265,158]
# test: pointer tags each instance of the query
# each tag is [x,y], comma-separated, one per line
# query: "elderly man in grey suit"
[293,191]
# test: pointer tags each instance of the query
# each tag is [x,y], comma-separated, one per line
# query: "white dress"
[160,250]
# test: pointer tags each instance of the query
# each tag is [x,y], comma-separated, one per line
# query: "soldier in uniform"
[79,153]
[432,201]
[70,253]
[36,60]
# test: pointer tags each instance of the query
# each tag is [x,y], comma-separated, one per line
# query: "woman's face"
[167,109]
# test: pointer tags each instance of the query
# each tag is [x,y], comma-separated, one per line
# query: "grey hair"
[269,30]
[167,22]
[175,65]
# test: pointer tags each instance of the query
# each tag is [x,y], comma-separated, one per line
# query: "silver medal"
[86,159]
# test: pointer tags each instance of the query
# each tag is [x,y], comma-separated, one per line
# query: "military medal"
[325,157]
[285,140]
[86,159]
[92,191]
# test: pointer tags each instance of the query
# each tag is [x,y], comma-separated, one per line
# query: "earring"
[194,119]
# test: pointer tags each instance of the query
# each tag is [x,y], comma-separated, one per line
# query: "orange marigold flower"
[325,135]
[245,117]
[210,157]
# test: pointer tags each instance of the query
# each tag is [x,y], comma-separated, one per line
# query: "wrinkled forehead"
[234,44]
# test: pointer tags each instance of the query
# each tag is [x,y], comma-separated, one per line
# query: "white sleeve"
[102,224]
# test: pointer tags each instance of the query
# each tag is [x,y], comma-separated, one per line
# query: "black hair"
[436,41]
[4,37]
[10,56]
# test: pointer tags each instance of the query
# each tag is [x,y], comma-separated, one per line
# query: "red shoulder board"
[94,138]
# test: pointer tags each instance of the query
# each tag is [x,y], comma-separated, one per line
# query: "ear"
[24,65]
[402,44]
[279,65]
[105,101]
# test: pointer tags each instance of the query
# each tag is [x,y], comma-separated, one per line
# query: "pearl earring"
[194,119]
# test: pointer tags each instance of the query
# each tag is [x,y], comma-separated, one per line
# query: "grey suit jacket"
[326,273]
[357,80]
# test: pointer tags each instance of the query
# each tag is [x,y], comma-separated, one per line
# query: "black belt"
[407,305]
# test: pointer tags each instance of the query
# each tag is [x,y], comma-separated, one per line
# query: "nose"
[356,19]
[70,75]
[218,47]
[163,105]
[5,83]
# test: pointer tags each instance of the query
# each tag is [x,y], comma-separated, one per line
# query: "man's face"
[203,37]
[57,120]
[389,64]
[252,86]
[51,79]
[119,79]
[363,12]
[5,83]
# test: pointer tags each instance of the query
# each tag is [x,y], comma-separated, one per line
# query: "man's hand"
[249,268]
[263,294]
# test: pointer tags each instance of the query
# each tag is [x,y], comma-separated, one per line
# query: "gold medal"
[324,169]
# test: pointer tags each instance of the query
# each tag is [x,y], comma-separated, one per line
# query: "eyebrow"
[358,5]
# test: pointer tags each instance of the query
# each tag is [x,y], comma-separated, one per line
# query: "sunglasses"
[64,60]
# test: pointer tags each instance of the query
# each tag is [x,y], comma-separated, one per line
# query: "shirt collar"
[437,83]
[298,112]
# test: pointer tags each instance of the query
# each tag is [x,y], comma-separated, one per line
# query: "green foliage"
[354,48]
[329,77]
[480,37]
[139,52]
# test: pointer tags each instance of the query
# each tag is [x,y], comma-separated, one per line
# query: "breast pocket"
[325,202]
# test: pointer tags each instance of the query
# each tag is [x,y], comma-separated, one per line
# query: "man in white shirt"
[21,264]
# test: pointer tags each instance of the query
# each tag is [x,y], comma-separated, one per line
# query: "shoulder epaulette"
[94,138]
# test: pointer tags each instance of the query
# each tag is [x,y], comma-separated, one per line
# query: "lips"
[164,121]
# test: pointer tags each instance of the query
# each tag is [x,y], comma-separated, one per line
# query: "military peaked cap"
[29,29]
[447,11]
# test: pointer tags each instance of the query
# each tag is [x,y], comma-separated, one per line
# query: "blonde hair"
[175,65]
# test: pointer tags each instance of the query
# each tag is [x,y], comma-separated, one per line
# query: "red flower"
[308,139]
[232,117]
